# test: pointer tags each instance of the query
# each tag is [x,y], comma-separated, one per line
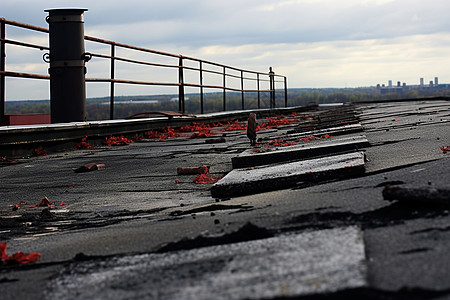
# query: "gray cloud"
[314,42]
[237,22]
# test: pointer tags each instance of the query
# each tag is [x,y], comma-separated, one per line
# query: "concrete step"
[268,178]
[271,155]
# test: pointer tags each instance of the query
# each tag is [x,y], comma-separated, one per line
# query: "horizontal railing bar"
[227,75]
[24,25]
[130,81]
[222,87]
[23,75]
[37,76]
[12,42]
[211,86]
[93,39]
[133,61]
[222,65]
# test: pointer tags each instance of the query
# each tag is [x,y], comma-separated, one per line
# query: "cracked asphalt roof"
[137,229]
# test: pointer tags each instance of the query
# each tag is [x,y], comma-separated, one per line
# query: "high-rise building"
[436,81]
[390,83]
[421,82]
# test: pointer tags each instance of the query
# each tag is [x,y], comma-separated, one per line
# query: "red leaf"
[203,178]
[18,257]
[83,144]
[3,251]
[45,202]
[24,258]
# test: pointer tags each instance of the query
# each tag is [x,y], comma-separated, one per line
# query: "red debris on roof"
[326,136]
[45,202]
[83,144]
[195,127]
[206,178]
[177,181]
[203,133]
[234,126]
[39,152]
[205,130]
[166,133]
[117,141]
[445,149]
[18,257]
[276,143]
[312,138]
[308,138]
[5,160]
[276,121]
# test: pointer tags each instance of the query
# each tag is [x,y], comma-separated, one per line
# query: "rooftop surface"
[348,201]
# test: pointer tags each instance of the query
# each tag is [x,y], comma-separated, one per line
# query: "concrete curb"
[301,151]
[262,179]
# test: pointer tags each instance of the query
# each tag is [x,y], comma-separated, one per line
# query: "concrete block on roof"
[294,265]
[334,131]
[268,178]
[269,155]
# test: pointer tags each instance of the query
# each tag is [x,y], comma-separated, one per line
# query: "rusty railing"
[204,67]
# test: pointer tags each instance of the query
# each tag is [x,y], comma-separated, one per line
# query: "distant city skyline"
[421,82]
[321,43]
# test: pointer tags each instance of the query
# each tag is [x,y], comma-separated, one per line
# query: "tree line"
[98,108]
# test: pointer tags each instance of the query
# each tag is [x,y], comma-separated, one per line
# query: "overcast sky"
[315,43]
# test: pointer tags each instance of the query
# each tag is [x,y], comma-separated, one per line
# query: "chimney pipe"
[67,65]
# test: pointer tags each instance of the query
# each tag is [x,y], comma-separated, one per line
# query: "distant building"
[403,88]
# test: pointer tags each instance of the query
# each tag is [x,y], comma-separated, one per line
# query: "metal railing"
[204,67]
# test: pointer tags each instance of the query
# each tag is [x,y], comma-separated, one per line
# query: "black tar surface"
[134,206]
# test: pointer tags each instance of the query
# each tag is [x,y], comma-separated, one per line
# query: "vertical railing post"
[181,106]
[259,92]
[224,89]
[2,68]
[285,92]
[111,92]
[272,87]
[201,89]
[242,90]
